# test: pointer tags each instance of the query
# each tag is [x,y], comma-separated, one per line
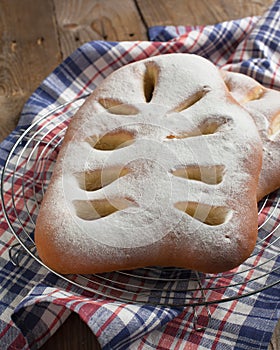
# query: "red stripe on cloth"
[151,50]
[7,245]
[274,74]
[231,309]
[177,31]
[242,51]
[109,320]
[103,69]
[140,346]
[239,39]
[173,335]
[89,308]
[51,326]
[19,343]
[194,337]
[184,37]
[223,323]
[5,329]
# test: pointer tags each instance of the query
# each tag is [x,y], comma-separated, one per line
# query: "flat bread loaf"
[160,166]
[264,106]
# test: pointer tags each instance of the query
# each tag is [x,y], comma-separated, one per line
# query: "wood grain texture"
[74,335]
[29,52]
[79,22]
[193,12]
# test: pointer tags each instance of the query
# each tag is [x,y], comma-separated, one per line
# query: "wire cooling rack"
[25,178]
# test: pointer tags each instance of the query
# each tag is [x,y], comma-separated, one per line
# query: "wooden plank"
[111,20]
[193,12]
[29,52]
[73,335]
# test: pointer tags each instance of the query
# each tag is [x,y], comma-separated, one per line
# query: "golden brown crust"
[160,166]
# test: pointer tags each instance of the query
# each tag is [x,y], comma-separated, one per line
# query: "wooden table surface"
[35,36]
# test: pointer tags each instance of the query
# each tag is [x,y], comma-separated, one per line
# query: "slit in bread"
[111,140]
[126,194]
[207,214]
[212,174]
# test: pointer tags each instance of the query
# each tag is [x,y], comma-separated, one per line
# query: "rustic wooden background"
[35,36]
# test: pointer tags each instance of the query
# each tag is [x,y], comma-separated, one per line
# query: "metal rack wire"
[24,179]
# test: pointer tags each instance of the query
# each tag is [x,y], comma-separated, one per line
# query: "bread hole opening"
[93,180]
[211,175]
[114,106]
[243,95]
[274,127]
[207,214]
[192,100]
[255,94]
[150,79]
[208,127]
[99,208]
[112,140]
[211,126]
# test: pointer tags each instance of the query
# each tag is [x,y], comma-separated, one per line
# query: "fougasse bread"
[160,166]
[264,106]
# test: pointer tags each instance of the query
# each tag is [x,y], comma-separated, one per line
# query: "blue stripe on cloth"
[255,53]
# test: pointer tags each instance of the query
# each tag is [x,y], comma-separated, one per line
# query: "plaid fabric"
[34,302]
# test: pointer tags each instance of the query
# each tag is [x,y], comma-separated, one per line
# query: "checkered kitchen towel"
[35,302]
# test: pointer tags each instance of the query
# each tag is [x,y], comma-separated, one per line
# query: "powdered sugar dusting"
[264,106]
[183,119]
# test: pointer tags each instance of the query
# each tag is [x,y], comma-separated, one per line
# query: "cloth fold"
[35,302]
